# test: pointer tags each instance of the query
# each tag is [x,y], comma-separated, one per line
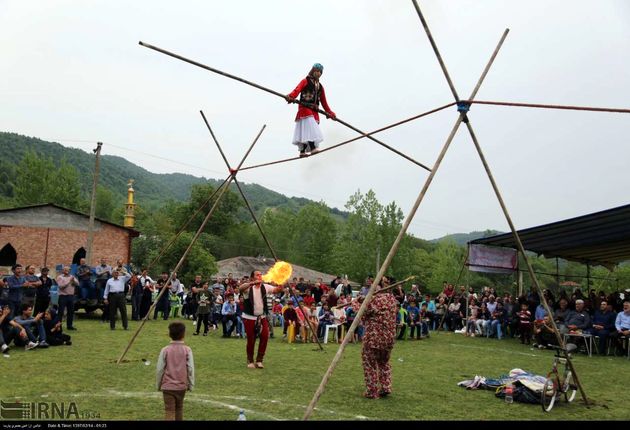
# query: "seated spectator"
[544,333]
[483,319]
[290,316]
[471,323]
[402,321]
[30,323]
[325,318]
[622,326]
[54,330]
[579,321]
[562,314]
[496,322]
[12,331]
[603,324]
[454,316]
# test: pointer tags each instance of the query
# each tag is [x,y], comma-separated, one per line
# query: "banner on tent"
[492,259]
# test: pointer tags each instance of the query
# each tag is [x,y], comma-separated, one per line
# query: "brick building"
[49,235]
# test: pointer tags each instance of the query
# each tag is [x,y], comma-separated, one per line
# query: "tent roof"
[600,238]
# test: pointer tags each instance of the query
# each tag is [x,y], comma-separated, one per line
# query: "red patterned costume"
[379,322]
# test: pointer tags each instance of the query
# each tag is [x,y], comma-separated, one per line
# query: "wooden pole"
[90,235]
[394,248]
[276,93]
[253,214]
[498,194]
[223,189]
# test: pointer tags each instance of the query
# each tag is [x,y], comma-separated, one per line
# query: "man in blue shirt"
[622,326]
[603,324]
[16,284]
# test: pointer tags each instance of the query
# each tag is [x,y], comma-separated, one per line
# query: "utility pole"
[90,238]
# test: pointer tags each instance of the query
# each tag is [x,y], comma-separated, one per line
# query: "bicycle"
[555,385]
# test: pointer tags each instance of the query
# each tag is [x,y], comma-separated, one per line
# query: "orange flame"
[279,273]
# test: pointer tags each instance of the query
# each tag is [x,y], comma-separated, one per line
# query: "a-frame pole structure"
[464,107]
[401,235]
[233,172]
[223,189]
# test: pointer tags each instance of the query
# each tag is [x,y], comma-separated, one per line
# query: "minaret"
[129,207]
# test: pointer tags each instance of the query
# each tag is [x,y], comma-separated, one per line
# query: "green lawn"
[425,375]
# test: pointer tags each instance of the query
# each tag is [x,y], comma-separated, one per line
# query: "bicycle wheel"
[569,388]
[549,392]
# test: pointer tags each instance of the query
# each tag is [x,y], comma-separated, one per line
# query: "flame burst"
[279,273]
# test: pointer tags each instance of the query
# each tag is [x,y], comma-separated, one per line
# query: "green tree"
[105,203]
[314,237]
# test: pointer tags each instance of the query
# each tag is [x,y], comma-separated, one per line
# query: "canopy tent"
[600,238]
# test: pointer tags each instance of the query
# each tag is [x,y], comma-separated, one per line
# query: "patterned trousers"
[377,370]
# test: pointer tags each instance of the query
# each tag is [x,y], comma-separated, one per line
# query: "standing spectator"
[114,295]
[66,283]
[136,286]
[525,323]
[431,310]
[175,372]
[103,273]
[16,284]
[42,297]
[84,273]
[229,316]
[218,283]
[147,299]
[414,317]
[204,300]
[317,290]
[379,322]
[32,283]
[190,304]
[255,297]
[164,301]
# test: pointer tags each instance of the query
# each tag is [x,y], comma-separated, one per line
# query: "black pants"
[41,305]
[56,339]
[164,306]
[66,303]
[136,301]
[206,324]
[224,321]
[117,301]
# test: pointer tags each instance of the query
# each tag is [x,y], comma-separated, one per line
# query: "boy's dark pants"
[174,404]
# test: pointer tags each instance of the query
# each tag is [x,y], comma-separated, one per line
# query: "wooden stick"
[547,106]
[192,242]
[392,252]
[382,290]
[345,142]
[276,93]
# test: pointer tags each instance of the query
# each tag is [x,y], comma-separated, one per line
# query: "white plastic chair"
[328,327]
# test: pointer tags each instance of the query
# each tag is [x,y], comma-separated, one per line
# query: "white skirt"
[307,130]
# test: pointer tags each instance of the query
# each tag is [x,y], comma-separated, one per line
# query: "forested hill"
[152,189]
[464,238]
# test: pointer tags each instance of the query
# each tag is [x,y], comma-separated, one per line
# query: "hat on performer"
[318,66]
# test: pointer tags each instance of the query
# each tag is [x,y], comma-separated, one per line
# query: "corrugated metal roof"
[599,238]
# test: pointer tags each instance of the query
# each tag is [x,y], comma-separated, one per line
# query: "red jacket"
[303,111]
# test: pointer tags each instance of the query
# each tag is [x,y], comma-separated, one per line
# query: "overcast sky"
[73,72]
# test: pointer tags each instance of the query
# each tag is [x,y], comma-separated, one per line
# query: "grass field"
[425,376]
